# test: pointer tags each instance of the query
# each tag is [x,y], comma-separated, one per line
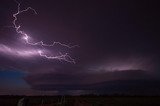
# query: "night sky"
[118,47]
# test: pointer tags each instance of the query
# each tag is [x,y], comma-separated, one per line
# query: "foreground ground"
[82,100]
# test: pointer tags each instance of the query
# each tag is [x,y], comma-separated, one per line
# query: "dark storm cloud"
[82,81]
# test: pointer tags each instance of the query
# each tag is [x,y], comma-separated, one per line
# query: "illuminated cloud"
[18,52]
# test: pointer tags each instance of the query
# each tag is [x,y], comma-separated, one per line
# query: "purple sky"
[117,42]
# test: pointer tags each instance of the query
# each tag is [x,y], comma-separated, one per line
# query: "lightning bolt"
[66,57]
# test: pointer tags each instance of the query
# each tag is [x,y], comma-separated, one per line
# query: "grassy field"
[82,100]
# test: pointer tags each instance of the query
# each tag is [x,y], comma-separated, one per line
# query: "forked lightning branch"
[65,56]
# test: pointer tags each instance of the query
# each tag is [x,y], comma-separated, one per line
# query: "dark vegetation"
[85,100]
